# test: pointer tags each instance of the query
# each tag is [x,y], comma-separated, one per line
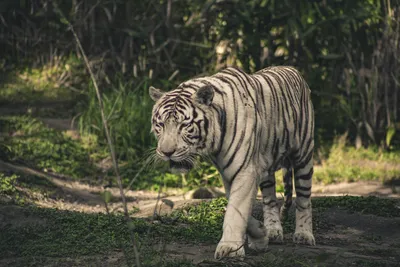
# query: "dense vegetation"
[347,50]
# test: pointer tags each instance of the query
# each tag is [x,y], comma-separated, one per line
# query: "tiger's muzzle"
[179,161]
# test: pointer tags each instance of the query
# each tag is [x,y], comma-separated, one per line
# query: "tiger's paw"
[229,249]
[259,244]
[275,234]
[304,237]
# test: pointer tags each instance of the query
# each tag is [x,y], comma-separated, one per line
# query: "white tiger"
[250,126]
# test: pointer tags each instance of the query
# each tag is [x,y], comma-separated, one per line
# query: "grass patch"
[348,164]
[27,140]
[40,234]
[57,232]
[128,109]
[7,183]
[37,233]
[366,205]
[205,219]
[50,82]
[54,233]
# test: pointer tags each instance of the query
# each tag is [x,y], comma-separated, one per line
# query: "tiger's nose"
[168,153]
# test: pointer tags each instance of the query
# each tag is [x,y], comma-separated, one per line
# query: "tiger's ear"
[155,93]
[204,95]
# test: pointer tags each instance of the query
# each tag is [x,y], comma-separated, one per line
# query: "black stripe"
[235,106]
[223,127]
[261,92]
[235,151]
[305,176]
[205,126]
[299,194]
[299,208]
[303,188]
[304,160]
[267,184]
[240,167]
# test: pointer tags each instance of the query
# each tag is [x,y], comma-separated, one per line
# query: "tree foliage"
[347,50]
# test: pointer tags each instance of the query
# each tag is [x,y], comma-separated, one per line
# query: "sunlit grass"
[348,164]
[54,81]
[28,141]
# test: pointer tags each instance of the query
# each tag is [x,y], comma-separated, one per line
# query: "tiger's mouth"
[180,167]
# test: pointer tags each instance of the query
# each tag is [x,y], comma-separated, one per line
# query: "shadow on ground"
[345,236]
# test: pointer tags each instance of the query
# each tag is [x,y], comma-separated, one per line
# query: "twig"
[107,132]
[158,199]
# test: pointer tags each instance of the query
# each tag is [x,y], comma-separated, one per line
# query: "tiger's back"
[270,111]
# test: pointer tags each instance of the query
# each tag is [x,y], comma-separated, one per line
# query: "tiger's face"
[181,126]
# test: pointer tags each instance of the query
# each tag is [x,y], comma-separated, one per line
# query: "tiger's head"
[181,124]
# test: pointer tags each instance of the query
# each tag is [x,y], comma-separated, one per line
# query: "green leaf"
[64,21]
[389,135]
[107,196]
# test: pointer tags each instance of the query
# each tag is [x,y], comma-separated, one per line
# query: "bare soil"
[343,238]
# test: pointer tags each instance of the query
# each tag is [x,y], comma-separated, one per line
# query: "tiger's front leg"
[243,191]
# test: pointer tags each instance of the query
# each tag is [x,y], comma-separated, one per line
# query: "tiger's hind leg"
[272,221]
[302,179]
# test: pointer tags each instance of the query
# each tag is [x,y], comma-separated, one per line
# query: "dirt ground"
[343,238]
[346,239]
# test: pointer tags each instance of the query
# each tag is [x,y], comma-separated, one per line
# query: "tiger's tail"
[287,172]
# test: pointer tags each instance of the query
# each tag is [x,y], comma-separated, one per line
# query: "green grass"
[33,144]
[36,145]
[26,140]
[127,106]
[384,207]
[7,183]
[50,82]
[128,110]
[43,234]
[348,164]
[55,233]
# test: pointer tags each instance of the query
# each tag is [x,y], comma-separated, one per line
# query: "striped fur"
[250,126]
